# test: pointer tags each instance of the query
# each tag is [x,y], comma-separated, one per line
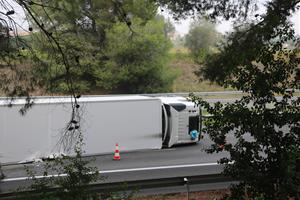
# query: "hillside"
[186,80]
[181,64]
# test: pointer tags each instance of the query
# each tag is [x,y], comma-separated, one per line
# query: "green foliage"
[184,65]
[169,28]
[75,176]
[138,61]
[179,42]
[74,181]
[212,9]
[4,37]
[14,79]
[102,51]
[201,38]
[266,156]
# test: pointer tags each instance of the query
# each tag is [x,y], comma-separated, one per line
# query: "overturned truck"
[135,122]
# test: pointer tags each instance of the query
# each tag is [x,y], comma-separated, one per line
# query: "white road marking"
[160,167]
[115,171]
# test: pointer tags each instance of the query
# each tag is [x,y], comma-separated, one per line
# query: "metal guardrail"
[185,94]
[104,188]
[161,183]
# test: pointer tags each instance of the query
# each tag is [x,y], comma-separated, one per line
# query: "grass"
[187,81]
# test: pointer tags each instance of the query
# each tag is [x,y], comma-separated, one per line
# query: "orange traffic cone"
[117,153]
[222,146]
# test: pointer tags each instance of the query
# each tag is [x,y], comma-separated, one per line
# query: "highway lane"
[180,161]
[188,154]
[135,174]
[180,155]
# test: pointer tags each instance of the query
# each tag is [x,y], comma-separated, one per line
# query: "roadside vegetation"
[255,59]
[183,63]
[189,53]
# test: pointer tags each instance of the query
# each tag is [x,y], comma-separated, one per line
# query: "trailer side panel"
[133,122]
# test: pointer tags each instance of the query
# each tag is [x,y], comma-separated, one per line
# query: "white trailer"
[135,122]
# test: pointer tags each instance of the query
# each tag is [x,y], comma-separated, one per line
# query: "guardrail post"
[186,182]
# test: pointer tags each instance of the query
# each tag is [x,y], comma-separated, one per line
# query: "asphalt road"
[180,161]
[180,155]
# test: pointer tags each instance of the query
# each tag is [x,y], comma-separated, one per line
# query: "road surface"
[180,161]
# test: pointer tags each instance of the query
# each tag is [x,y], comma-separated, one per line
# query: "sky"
[182,26]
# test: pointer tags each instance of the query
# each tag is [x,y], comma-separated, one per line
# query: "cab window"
[194,123]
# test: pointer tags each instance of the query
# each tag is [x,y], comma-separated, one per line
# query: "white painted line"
[115,171]
[160,167]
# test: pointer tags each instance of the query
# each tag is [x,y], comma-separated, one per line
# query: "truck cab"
[180,121]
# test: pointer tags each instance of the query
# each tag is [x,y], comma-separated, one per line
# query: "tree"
[108,54]
[201,38]
[254,59]
[138,61]
[169,28]
[74,45]
[266,157]
[226,9]
[73,186]
[20,81]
